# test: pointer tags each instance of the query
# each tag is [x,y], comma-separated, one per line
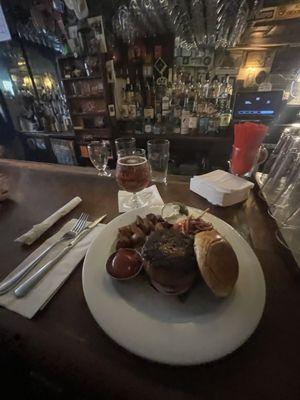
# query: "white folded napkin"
[223,181]
[151,193]
[37,230]
[221,188]
[44,291]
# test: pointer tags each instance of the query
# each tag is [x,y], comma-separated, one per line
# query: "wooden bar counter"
[62,352]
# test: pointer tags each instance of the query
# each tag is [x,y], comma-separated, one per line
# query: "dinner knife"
[30,282]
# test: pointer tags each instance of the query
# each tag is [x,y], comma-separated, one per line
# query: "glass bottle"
[138,100]
[158,102]
[184,130]
[175,120]
[124,106]
[148,125]
[206,87]
[225,116]
[193,119]
[157,127]
[215,88]
[148,109]
[165,104]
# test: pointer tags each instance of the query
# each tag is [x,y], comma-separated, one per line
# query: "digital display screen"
[257,105]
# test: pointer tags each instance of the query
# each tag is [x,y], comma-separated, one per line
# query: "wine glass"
[98,153]
[124,143]
[133,175]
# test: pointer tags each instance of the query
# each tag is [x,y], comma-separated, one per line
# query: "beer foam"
[131,161]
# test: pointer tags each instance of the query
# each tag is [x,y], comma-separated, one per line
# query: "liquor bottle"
[132,110]
[147,125]
[210,126]
[125,105]
[139,103]
[202,123]
[193,119]
[200,88]
[166,104]
[229,88]
[157,128]
[127,87]
[148,67]
[138,98]
[184,130]
[206,87]
[191,98]
[215,88]
[225,116]
[176,126]
[158,102]
[213,124]
[148,109]
[126,110]
[174,123]
[131,100]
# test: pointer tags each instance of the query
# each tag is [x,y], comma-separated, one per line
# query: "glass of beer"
[133,175]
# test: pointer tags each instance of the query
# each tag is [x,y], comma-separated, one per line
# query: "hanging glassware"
[198,23]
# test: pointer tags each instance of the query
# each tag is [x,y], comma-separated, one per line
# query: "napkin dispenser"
[221,188]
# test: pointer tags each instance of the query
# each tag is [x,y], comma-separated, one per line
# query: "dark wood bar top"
[63,352]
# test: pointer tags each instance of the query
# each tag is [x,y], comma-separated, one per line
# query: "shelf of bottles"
[177,105]
[83,78]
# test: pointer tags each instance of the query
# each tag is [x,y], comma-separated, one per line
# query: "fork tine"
[85,221]
[82,223]
[77,223]
[81,219]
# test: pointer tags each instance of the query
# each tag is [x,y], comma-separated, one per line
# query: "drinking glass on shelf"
[125,143]
[133,175]
[98,153]
[158,157]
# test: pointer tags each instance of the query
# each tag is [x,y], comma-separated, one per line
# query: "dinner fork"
[9,283]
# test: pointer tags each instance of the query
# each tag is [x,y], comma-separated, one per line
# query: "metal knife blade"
[86,230]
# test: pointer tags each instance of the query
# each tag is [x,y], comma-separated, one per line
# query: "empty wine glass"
[98,153]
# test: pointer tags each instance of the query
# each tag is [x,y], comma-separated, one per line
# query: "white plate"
[161,328]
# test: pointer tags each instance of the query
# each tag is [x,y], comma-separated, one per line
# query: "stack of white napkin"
[221,188]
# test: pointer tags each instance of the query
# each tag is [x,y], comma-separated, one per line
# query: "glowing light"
[250,70]
[26,81]
[48,82]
